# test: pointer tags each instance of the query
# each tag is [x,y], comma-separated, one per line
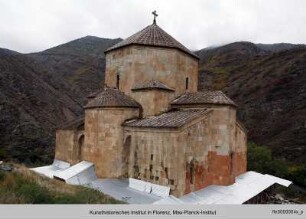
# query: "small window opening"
[118,80]
[81,144]
[151,156]
[172,182]
[191,173]
[232,161]
[187,83]
[166,171]
[136,171]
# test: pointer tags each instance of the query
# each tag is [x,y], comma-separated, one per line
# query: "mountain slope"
[80,63]
[41,91]
[278,47]
[30,108]
[270,88]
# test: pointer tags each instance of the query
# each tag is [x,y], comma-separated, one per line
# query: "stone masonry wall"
[153,102]
[210,150]
[136,64]
[69,145]
[104,140]
[155,157]
[162,156]
[216,166]
[240,152]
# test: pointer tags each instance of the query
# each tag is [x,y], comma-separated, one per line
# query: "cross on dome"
[155,15]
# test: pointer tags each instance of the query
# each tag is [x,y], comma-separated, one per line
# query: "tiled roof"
[152,84]
[172,119]
[203,97]
[152,35]
[111,97]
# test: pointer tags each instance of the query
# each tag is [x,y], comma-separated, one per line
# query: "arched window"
[118,81]
[126,156]
[126,149]
[187,83]
[80,148]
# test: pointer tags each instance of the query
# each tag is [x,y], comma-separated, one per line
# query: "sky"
[35,25]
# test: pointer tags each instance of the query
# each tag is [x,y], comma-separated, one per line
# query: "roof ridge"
[112,97]
[152,35]
[170,119]
[204,97]
[225,96]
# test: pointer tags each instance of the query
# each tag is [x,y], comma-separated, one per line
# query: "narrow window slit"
[187,83]
[118,80]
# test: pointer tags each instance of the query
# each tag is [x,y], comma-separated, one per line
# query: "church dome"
[155,36]
[111,97]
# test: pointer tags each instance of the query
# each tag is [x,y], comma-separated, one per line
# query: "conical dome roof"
[111,97]
[152,35]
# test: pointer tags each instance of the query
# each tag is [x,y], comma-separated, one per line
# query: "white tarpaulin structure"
[78,174]
[50,170]
[133,191]
[120,190]
[162,191]
[247,186]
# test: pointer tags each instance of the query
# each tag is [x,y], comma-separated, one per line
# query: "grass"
[260,159]
[22,186]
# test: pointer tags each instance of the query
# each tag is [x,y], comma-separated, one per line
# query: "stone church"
[150,122]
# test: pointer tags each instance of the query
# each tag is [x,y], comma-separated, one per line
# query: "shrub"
[260,159]
[3,154]
[278,168]
[298,175]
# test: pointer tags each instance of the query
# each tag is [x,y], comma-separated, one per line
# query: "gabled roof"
[203,97]
[172,119]
[150,85]
[152,35]
[112,97]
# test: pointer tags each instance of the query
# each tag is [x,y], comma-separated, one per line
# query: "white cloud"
[33,25]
